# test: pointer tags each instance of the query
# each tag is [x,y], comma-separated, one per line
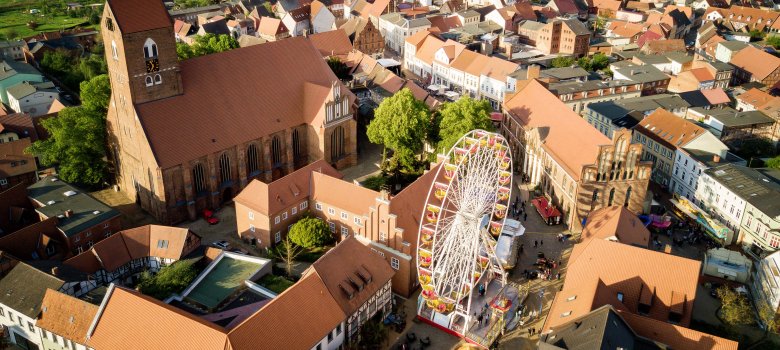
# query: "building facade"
[174,176]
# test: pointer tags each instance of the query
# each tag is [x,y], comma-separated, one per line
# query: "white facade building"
[35,99]
[765,283]
[698,155]
[395,28]
[718,200]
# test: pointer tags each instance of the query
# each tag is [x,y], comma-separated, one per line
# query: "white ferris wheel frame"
[477,167]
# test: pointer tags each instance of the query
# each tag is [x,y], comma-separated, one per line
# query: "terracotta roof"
[499,69]
[375,9]
[625,29]
[331,43]
[566,6]
[348,266]
[759,63]
[755,97]
[316,314]
[56,106]
[676,337]
[331,190]
[716,96]
[569,138]
[428,49]
[523,10]
[618,222]
[27,243]
[646,38]
[122,247]
[629,270]
[66,316]
[282,193]
[442,24]
[21,124]
[23,289]
[124,324]
[702,74]
[663,46]
[252,109]
[407,206]
[669,129]
[470,62]
[417,38]
[271,26]
[613,5]
[139,15]
[13,160]
[316,7]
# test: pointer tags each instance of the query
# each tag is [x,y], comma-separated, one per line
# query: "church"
[184,136]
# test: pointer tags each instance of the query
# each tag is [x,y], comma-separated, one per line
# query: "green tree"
[599,23]
[95,94]
[339,68]
[773,40]
[773,163]
[93,66]
[767,316]
[562,61]
[76,144]
[287,251]
[170,279]
[310,232]
[401,124]
[598,61]
[756,35]
[206,44]
[373,335]
[459,117]
[735,309]
[11,34]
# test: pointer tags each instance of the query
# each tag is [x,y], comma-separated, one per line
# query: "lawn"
[222,280]
[276,284]
[15,14]
[311,255]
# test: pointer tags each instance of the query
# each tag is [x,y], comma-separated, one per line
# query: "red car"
[208,215]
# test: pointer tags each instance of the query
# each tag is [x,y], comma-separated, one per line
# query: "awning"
[496,116]
[545,208]
[712,226]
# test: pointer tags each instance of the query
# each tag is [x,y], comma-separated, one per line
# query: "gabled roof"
[139,15]
[66,316]
[566,7]
[30,242]
[353,268]
[669,129]
[753,97]
[275,196]
[271,26]
[618,222]
[122,247]
[13,159]
[9,68]
[331,190]
[755,61]
[253,108]
[674,336]
[124,323]
[23,288]
[331,43]
[567,137]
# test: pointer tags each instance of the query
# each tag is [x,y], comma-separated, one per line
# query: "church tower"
[140,51]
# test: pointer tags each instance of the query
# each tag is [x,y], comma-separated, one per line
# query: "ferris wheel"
[464,210]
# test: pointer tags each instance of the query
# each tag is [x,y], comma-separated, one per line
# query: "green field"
[15,14]
[221,281]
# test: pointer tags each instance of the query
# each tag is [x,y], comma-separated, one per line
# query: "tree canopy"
[71,69]
[77,136]
[773,163]
[310,232]
[562,61]
[206,44]
[339,68]
[598,61]
[773,40]
[170,279]
[401,124]
[735,309]
[459,117]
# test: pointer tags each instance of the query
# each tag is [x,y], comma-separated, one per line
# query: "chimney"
[68,213]
[716,158]
[508,50]
[533,71]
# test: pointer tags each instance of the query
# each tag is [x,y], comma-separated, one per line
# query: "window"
[89,233]
[278,237]
[199,179]
[331,211]
[317,206]
[251,228]
[332,227]
[3,182]
[749,221]
[338,329]
[611,197]
[2,312]
[150,49]
[109,24]
[276,151]
[224,168]
[330,337]
[344,216]
[358,221]
[149,81]
[76,239]
[382,236]
[775,242]
[113,51]
[296,143]
[157,79]
[394,263]
[284,216]
[304,205]
[344,231]
[30,326]
[628,197]
[294,211]
[620,297]
[277,220]
[251,215]
[337,143]
[252,160]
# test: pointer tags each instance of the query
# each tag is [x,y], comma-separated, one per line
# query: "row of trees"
[598,61]
[404,124]
[72,69]
[206,44]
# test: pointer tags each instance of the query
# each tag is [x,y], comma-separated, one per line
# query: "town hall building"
[188,135]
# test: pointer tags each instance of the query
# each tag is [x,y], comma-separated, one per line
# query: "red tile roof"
[332,190]
[674,336]
[331,43]
[618,222]
[12,155]
[139,15]
[66,316]
[569,138]
[21,124]
[755,61]
[252,108]
[755,97]
[716,96]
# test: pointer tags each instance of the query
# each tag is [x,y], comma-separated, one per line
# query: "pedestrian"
[541,242]
[529,332]
[558,276]
[525,216]
[522,204]
[536,243]
[479,320]
[521,248]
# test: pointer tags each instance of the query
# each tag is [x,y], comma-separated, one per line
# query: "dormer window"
[150,49]
[109,24]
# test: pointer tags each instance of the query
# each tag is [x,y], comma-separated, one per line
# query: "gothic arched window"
[628,197]
[296,141]
[224,168]
[276,151]
[252,160]
[337,143]
[199,179]
[150,49]
[611,197]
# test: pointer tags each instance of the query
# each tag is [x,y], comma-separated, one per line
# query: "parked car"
[208,215]
[224,245]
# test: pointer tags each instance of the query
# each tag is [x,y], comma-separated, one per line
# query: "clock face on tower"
[152,65]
